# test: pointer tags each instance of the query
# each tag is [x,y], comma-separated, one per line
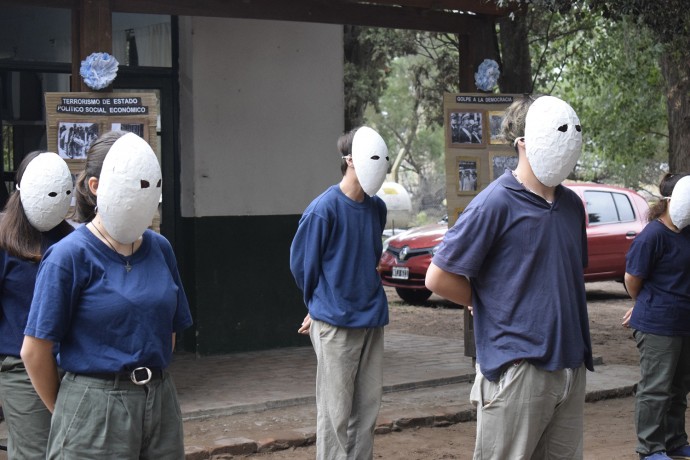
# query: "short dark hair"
[17,236]
[345,148]
[85,208]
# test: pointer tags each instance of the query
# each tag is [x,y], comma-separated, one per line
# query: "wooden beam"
[432,15]
[40,3]
[308,11]
[484,7]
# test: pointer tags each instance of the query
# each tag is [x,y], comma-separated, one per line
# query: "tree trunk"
[516,66]
[358,57]
[676,72]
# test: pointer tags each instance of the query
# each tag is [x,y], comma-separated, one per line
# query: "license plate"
[401,273]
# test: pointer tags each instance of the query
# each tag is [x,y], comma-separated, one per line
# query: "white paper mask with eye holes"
[370,158]
[553,139]
[46,191]
[129,188]
[679,207]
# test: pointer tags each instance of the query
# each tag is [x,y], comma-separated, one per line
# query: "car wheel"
[414,296]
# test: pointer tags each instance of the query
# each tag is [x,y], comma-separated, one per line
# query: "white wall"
[261,111]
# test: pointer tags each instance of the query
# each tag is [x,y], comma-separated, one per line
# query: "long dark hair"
[668,182]
[85,208]
[17,236]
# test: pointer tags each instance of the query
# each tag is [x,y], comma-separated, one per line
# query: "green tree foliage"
[368,53]
[669,22]
[394,82]
[608,71]
[606,66]
[415,140]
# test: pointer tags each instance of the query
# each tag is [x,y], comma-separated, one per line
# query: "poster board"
[75,120]
[476,154]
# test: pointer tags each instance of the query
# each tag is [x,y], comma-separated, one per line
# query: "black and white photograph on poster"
[495,122]
[75,138]
[136,128]
[468,175]
[466,128]
[499,162]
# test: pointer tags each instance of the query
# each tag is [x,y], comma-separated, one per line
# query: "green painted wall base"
[237,276]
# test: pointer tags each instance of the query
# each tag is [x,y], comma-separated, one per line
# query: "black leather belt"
[139,376]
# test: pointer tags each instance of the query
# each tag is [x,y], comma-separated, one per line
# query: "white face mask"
[370,158]
[553,139]
[46,191]
[679,207]
[129,188]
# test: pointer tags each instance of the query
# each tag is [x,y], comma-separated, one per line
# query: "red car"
[614,217]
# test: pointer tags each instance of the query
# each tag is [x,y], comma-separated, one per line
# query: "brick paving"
[259,380]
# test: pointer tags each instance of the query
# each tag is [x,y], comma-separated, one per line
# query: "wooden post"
[92,31]
[476,44]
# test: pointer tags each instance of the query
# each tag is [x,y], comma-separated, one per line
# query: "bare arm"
[455,288]
[633,285]
[38,358]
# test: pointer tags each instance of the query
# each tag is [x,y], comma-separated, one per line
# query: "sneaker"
[656,456]
[682,453]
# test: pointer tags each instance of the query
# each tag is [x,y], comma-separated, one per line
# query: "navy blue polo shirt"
[524,259]
[661,257]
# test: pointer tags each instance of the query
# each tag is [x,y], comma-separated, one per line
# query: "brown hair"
[85,208]
[666,186]
[513,125]
[345,148]
[17,236]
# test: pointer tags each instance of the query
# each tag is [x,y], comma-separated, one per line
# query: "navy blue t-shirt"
[334,256]
[524,259]
[661,257]
[17,279]
[104,318]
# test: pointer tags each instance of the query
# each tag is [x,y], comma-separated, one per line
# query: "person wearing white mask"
[110,296]
[516,255]
[333,258]
[657,277]
[33,220]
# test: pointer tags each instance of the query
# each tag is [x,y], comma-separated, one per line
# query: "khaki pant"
[27,418]
[116,419]
[349,386]
[530,413]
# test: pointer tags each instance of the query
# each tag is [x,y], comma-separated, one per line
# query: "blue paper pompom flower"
[487,75]
[99,70]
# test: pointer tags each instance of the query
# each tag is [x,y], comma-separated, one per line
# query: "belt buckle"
[138,379]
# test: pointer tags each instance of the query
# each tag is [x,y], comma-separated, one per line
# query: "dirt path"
[609,425]
[609,434]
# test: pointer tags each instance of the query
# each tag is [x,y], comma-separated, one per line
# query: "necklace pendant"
[128,267]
